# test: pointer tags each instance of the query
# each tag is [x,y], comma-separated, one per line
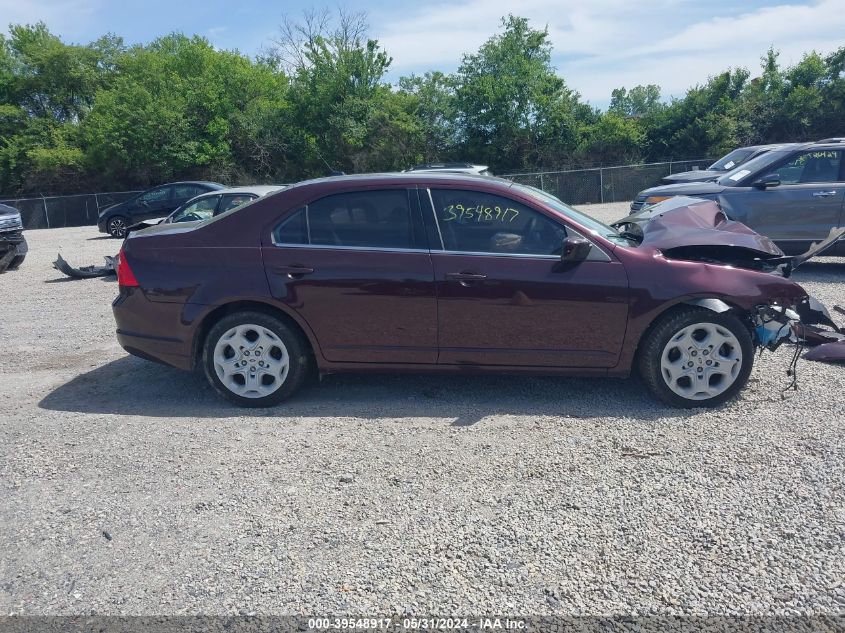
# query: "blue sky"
[598,44]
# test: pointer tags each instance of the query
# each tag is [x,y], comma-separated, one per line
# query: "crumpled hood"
[681,221]
[697,229]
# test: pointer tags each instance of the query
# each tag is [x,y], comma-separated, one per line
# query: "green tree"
[514,111]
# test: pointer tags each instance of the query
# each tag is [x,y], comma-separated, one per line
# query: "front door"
[356,267]
[505,297]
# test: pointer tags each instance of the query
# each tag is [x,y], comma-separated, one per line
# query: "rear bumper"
[152,330]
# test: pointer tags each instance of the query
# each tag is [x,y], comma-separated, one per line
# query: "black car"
[13,246]
[725,164]
[157,202]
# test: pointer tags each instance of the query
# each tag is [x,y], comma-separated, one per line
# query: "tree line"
[108,116]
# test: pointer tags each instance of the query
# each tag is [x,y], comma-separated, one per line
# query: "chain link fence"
[604,184]
[52,212]
[579,186]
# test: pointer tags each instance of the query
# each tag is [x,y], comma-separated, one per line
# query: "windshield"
[755,165]
[588,222]
[734,159]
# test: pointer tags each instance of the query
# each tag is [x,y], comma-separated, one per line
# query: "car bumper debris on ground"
[402,494]
[86,272]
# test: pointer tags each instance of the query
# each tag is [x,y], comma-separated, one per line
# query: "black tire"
[656,340]
[298,350]
[116,226]
[16,262]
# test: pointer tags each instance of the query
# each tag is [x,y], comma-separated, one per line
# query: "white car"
[213,203]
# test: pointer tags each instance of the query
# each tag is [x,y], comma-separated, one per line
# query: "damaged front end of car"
[692,229]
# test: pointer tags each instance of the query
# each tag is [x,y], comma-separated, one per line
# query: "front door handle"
[824,194]
[294,271]
[465,278]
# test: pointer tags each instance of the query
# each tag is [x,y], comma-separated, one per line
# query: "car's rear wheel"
[254,359]
[696,358]
[116,226]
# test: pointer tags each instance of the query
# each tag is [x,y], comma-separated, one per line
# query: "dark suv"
[448,273]
[794,195]
[157,202]
[13,247]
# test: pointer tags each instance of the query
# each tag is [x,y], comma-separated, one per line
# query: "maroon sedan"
[424,272]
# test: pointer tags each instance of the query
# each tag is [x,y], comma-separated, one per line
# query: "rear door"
[357,269]
[804,207]
[505,297]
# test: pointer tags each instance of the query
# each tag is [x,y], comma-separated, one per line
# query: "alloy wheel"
[117,227]
[701,361]
[251,361]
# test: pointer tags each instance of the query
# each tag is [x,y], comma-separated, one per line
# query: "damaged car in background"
[13,247]
[448,273]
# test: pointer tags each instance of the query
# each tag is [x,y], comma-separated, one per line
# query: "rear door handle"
[293,271]
[465,276]
[824,194]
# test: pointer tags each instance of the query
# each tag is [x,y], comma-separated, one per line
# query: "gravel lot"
[129,488]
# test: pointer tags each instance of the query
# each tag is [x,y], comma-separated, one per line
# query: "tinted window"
[362,218]
[477,222]
[293,230]
[187,192]
[156,195]
[235,200]
[199,210]
[818,166]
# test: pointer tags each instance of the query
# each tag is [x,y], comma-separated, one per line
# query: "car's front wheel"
[696,358]
[116,226]
[254,359]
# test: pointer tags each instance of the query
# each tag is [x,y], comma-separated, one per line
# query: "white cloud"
[605,44]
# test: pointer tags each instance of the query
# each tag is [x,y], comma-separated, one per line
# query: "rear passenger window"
[478,222]
[380,219]
[293,230]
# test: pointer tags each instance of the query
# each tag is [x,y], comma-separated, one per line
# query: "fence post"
[46,214]
[97,202]
[541,182]
[601,185]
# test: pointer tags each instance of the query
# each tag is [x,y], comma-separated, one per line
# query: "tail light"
[125,276]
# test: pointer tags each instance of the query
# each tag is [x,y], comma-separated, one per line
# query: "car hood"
[697,229]
[683,189]
[699,175]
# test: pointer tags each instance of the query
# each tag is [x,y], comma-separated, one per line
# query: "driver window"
[199,210]
[808,167]
[477,222]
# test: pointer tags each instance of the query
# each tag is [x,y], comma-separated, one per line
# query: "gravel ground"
[129,488]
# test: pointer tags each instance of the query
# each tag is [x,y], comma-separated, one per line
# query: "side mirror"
[575,249]
[769,180]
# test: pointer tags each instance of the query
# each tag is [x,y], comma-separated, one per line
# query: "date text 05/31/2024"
[430,624]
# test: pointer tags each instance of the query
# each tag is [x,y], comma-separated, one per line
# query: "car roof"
[258,190]
[207,183]
[447,166]
[406,177]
